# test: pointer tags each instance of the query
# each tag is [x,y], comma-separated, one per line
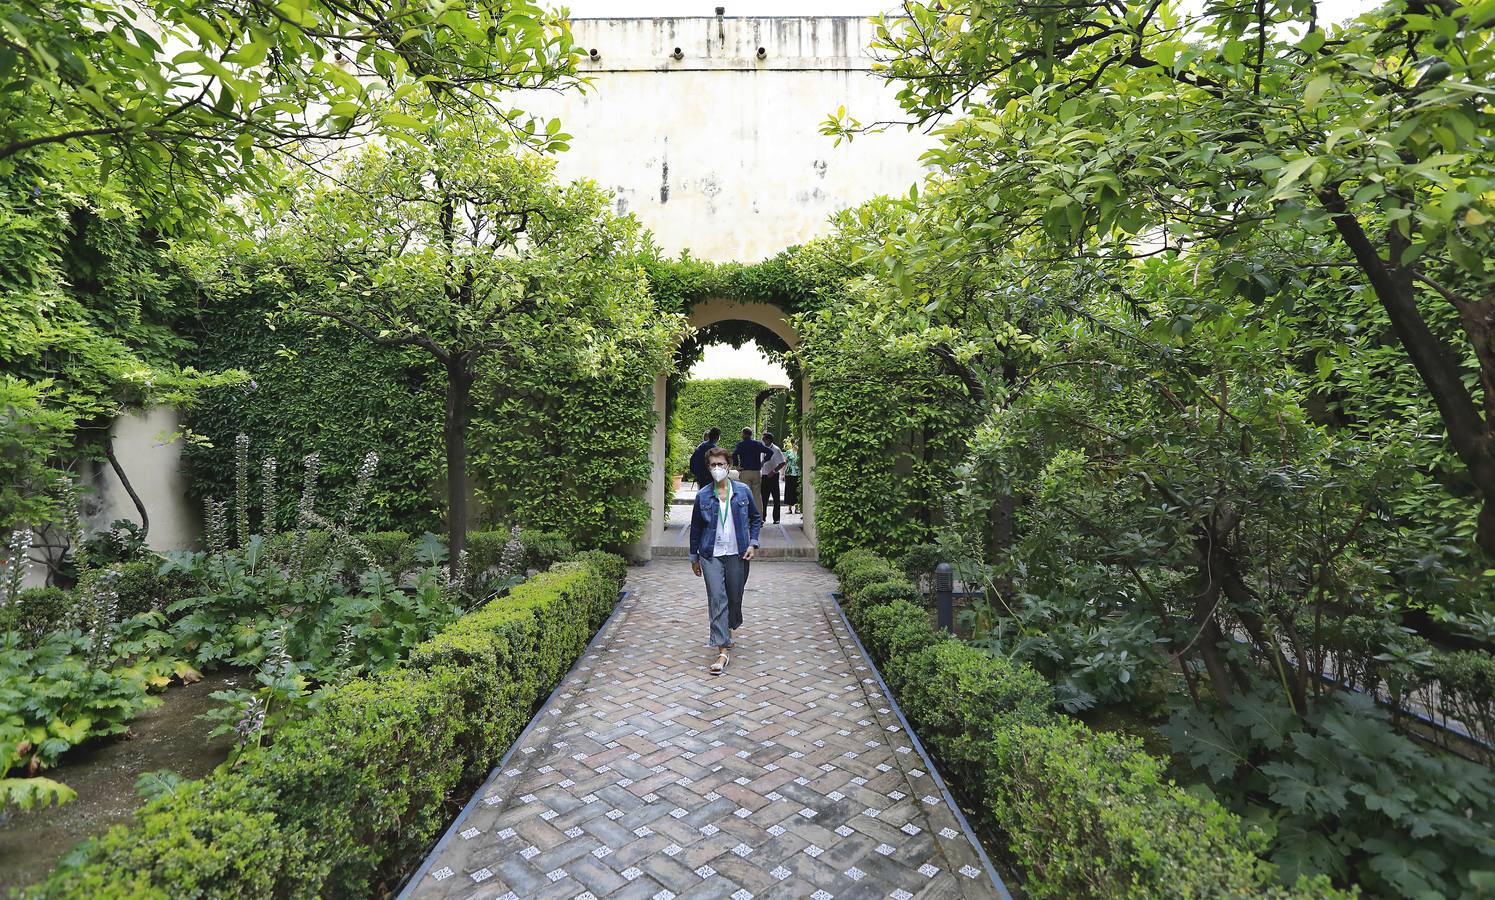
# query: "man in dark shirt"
[748,456]
[698,469]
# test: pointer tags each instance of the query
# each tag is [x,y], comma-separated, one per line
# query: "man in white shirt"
[771,469]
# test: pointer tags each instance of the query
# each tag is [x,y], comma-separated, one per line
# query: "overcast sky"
[1329,10]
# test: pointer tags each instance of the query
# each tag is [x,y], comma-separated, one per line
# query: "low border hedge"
[345,802]
[1085,814]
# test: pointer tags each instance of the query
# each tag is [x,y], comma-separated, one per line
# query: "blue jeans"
[725,576]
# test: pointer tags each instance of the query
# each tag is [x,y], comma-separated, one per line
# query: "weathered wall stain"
[728,143]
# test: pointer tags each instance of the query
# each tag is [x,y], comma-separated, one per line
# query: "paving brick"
[780,755]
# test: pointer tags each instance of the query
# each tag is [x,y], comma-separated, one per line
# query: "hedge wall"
[1085,814]
[547,448]
[347,801]
[726,403]
[889,431]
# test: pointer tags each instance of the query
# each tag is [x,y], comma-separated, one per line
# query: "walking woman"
[724,529]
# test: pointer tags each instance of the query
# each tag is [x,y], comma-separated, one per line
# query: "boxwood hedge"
[1084,814]
[345,802]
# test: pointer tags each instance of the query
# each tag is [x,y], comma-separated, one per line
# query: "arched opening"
[715,320]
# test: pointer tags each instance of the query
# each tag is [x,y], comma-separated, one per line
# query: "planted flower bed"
[344,800]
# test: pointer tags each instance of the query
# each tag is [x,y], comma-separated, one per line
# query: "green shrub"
[345,801]
[1092,815]
[543,549]
[855,559]
[36,611]
[920,561]
[892,590]
[961,696]
[516,648]
[142,588]
[859,576]
[610,566]
[1085,815]
[392,550]
[1466,690]
[486,548]
[893,631]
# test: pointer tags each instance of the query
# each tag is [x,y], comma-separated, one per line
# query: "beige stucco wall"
[149,451]
[719,152]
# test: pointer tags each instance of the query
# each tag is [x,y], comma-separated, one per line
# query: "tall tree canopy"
[1269,148]
[454,245]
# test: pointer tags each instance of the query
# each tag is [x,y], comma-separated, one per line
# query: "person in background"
[791,476]
[771,470]
[698,469]
[748,456]
[724,527]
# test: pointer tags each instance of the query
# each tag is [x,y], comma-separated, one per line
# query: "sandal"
[721,663]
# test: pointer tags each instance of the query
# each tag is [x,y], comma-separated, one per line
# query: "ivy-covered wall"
[887,433]
[727,403]
[887,427]
[547,449]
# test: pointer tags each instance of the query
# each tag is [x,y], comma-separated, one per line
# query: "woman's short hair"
[715,452]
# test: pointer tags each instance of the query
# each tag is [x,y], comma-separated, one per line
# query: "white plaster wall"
[719,152]
[151,455]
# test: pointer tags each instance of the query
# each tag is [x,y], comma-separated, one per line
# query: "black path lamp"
[944,590]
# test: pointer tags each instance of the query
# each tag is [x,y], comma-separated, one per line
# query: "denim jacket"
[746,520]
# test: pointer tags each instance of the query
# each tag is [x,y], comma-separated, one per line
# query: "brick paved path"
[787,776]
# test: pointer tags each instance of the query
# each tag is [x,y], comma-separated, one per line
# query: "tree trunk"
[119,472]
[459,381]
[1470,434]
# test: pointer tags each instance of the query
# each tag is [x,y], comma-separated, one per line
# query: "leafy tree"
[172,91]
[1263,144]
[453,246]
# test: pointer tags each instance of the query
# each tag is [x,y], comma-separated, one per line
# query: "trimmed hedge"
[345,802]
[36,611]
[1085,814]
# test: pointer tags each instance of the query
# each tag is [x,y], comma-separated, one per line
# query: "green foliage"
[553,331]
[31,432]
[726,403]
[1093,815]
[1466,690]
[143,586]
[34,612]
[920,560]
[1350,796]
[186,101]
[344,802]
[1085,814]
[887,424]
[679,284]
[543,549]
[332,620]
[315,389]
[71,686]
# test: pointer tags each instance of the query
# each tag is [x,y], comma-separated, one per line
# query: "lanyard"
[721,517]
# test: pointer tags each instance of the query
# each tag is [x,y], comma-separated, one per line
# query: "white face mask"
[719,473]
